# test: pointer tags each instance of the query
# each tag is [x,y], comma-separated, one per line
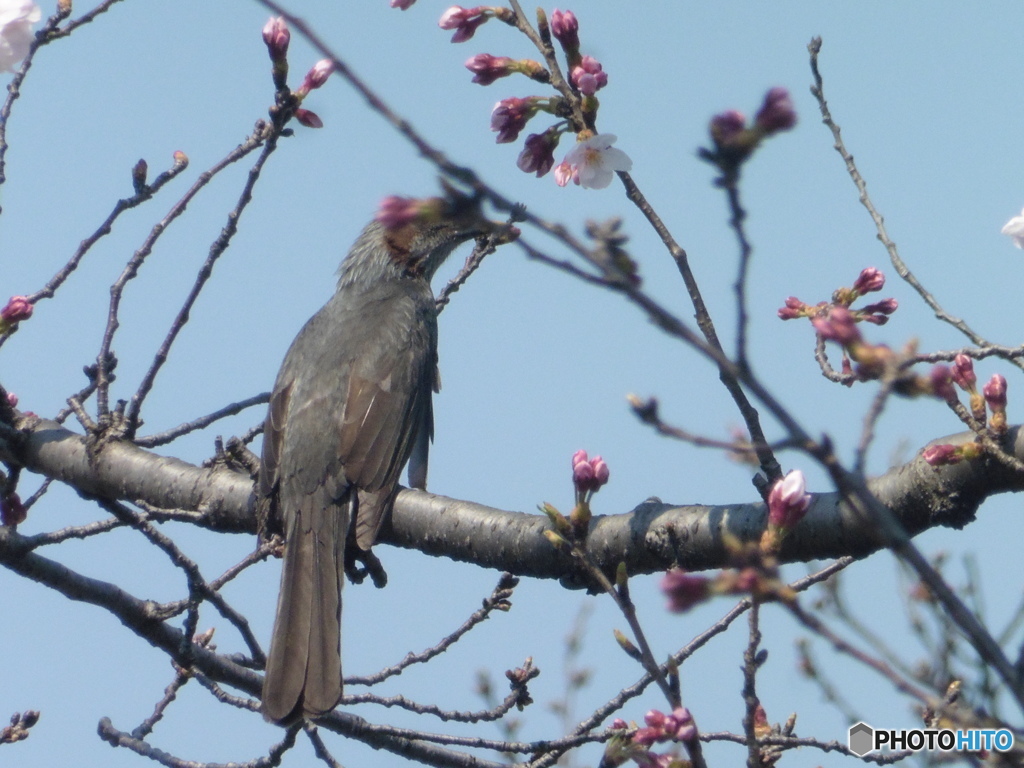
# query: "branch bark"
[652,537]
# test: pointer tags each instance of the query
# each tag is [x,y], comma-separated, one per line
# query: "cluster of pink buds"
[735,140]
[988,408]
[277,37]
[18,308]
[588,475]
[788,502]
[593,162]
[678,726]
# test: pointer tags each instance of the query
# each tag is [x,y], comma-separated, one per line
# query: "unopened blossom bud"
[487,68]
[679,725]
[463,20]
[995,392]
[618,724]
[18,308]
[776,113]
[963,373]
[588,76]
[565,28]
[316,76]
[684,590]
[940,379]
[654,718]
[873,319]
[538,155]
[995,396]
[939,455]
[12,511]
[277,37]
[793,309]
[583,476]
[788,500]
[870,279]
[509,117]
[395,211]
[12,400]
[564,173]
[601,471]
[726,128]
[403,5]
[180,160]
[308,118]
[883,307]
[838,326]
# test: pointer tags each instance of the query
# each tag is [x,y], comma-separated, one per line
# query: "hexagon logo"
[861,739]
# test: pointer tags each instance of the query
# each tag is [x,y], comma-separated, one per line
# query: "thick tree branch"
[650,538]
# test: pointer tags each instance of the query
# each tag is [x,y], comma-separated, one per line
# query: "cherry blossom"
[16,20]
[592,163]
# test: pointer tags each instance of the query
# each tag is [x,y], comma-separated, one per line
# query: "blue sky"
[534,364]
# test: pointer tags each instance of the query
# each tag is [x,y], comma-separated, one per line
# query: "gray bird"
[351,403]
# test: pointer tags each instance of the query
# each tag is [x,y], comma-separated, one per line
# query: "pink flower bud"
[995,393]
[684,590]
[794,308]
[510,116]
[869,280]
[618,724]
[317,76]
[308,118]
[12,400]
[277,37]
[963,373]
[18,308]
[838,325]
[726,127]
[883,307]
[655,718]
[566,29]
[788,500]
[938,455]
[488,68]
[680,725]
[463,20]
[873,319]
[588,76]
[777,112]
[601,471]
[538,155]
[564,173]
[404,5]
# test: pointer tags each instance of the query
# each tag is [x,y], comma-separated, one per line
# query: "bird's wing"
[382,417]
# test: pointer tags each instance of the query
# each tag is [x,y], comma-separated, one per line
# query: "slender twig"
[195,579]
[132,267]
[751,662]
[167,436]
[498,600]
[401,702]
[217,248]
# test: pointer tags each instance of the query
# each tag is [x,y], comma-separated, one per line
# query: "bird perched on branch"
[351,404]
